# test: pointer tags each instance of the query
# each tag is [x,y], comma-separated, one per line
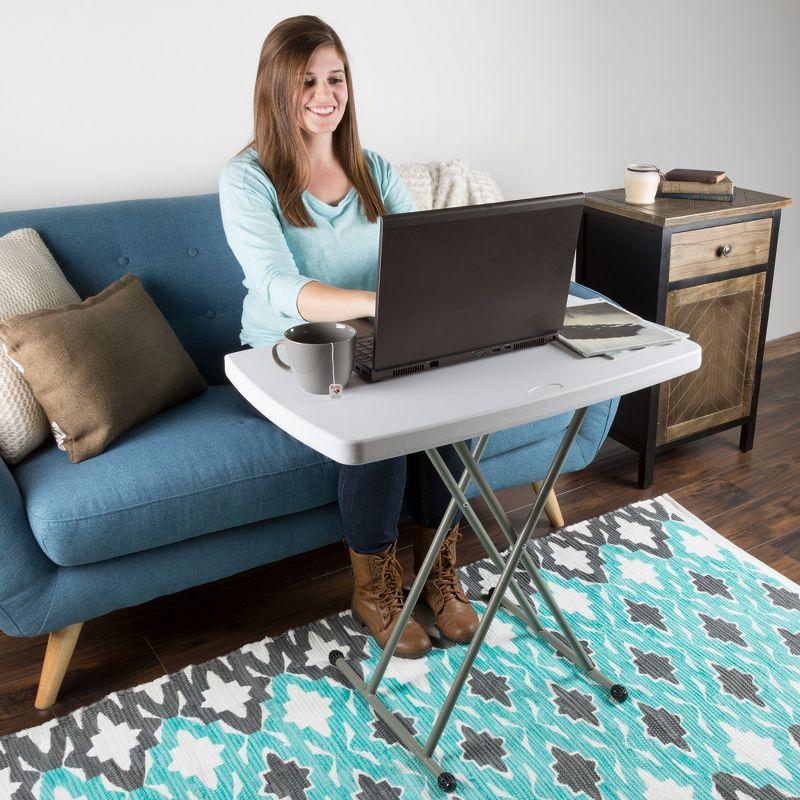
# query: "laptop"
[456,284]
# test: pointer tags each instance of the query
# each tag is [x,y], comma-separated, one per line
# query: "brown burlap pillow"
[101,366]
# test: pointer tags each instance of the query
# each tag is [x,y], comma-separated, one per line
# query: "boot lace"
[446,580]
[389,592]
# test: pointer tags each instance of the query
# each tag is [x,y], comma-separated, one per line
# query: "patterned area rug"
[706,638]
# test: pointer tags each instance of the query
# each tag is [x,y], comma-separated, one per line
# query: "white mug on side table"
[641,184]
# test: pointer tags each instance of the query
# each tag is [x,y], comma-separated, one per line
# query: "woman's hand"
[318,302]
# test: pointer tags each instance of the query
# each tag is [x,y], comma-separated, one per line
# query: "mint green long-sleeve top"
[278,259]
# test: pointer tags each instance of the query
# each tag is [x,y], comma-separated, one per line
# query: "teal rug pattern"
[705,638]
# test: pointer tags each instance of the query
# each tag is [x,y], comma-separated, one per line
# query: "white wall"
[105,101]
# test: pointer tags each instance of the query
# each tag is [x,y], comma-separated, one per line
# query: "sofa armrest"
[27,576]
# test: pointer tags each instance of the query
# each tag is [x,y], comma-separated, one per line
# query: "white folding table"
[425,410]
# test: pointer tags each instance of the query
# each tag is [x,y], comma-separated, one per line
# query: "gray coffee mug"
[309,349]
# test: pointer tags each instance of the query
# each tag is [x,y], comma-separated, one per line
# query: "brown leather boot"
[378,601]
[455,617]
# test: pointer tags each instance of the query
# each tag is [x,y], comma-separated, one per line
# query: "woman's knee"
[386,475]
[385,469]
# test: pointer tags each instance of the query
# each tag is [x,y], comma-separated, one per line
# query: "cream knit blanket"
[443,184]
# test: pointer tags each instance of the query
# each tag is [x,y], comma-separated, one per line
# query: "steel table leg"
[524,608]
[422,576]
[527,610]
[446,780]
[505,524]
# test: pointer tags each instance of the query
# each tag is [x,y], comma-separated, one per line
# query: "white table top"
[374,421]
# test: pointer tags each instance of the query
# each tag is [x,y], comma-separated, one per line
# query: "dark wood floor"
[751,498]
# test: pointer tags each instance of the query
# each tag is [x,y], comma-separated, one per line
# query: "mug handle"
[277,358]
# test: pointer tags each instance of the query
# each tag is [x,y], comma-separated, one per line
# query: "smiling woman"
[300,203]
[300,206]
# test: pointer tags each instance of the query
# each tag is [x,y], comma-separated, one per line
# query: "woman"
[300,206]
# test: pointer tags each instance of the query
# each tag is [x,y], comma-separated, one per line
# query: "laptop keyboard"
[365,349]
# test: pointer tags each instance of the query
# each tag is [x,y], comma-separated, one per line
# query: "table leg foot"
[444,779]
[619,692]
[616,690]
[447,782]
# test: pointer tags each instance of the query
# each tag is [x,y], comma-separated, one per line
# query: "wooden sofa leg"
[60,647]
[551,507]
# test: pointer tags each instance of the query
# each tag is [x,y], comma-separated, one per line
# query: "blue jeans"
[371,495]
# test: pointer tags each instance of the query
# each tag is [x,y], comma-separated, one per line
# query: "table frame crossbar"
[523,608]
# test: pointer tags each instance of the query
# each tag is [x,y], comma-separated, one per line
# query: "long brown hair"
[277,139]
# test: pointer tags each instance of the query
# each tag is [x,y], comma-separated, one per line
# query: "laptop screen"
[455,280]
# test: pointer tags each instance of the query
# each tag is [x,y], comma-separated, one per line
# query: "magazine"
[599,328]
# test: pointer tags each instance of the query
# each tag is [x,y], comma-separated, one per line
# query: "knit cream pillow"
[30,280]
[444,184]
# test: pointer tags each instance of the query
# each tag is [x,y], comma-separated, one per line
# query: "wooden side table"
[703,267]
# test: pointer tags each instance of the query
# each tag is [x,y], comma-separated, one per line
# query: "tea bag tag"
[335,389]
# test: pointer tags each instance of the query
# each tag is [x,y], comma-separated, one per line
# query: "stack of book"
[598,328]
[696,184]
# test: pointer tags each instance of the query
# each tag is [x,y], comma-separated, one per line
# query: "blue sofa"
[204,489]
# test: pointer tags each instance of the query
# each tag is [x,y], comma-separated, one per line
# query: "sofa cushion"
[204,465]
[208,464]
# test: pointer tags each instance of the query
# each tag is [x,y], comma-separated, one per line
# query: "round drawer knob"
[725,250]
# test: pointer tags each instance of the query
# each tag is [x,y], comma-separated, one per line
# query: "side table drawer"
[724,318]
[701,252]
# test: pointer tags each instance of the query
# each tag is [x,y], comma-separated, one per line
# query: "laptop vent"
[533,342]
[407,370]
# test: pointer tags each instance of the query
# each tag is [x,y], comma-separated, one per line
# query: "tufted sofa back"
[176,246]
